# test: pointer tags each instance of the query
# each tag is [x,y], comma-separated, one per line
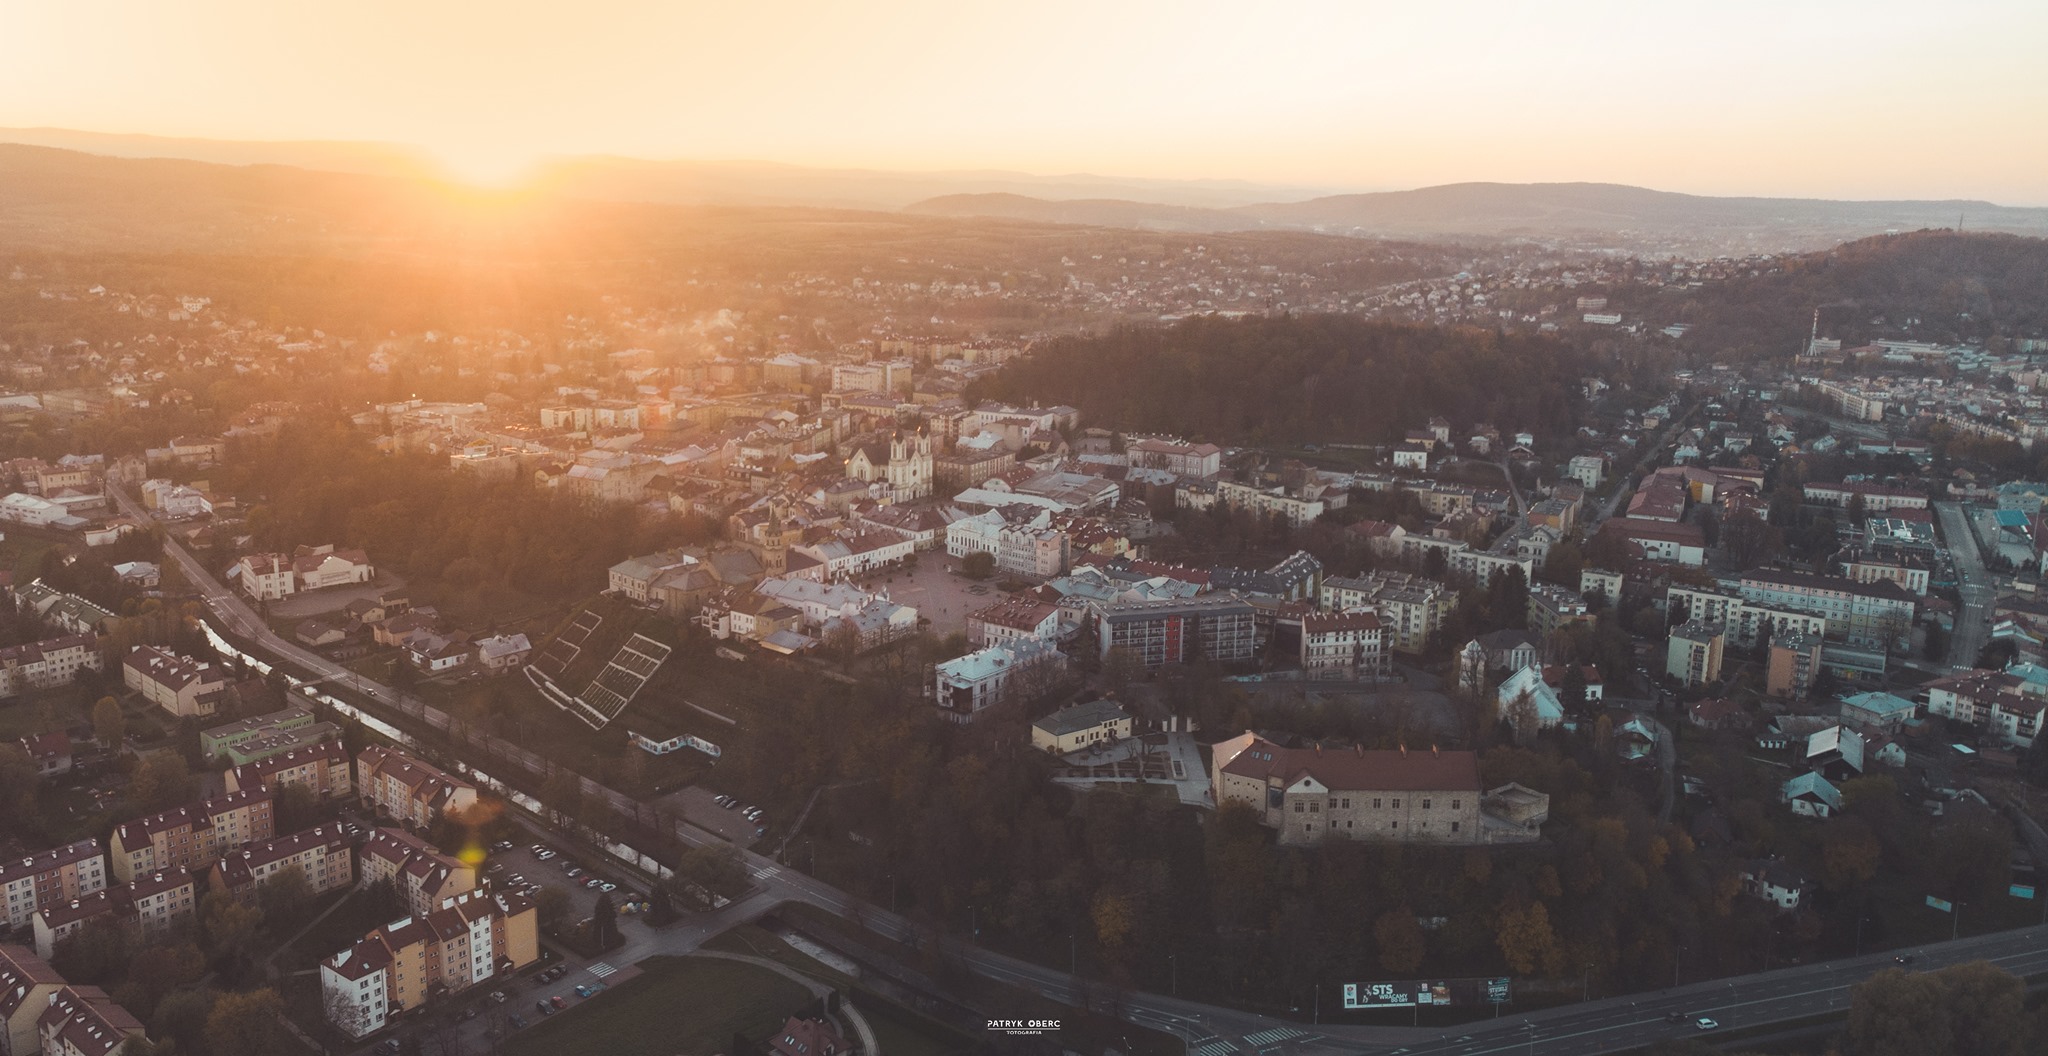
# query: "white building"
[1343,645]
[966,686]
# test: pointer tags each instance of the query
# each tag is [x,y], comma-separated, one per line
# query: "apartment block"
[48,878]
[321,855]
[1218,626]
[322,768]
[26,983]
[84,1021]
[151,905]
[177,684]
[1343,645]
[52,662]
[1693,655]
[413,792]
[468,940]
[192,837]
[1410,607]
[422,875]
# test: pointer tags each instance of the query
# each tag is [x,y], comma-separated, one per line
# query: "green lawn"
[901,1032]
[684,1005]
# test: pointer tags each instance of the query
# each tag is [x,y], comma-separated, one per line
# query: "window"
[1333,803]
[1425,804]
[1347,802]
[1454,826]
[1457,804]
[1315,808]
[1375,804]
[1393,824]
[1397,804]
[1300,806]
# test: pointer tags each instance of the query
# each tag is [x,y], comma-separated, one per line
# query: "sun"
[489,166]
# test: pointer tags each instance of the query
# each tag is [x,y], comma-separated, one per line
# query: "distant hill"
[1924,285]
[379,159]
[1588,213]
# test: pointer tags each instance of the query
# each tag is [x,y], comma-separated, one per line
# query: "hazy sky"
[1866,99]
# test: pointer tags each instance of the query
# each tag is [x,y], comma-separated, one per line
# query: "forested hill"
[1304,379]
[1929,285]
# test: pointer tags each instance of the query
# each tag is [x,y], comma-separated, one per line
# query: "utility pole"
[1859,935]
[1674,966]
[1173,963]
[1586,986]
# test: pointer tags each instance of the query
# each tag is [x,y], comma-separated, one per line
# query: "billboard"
[1432,992]
[1940,904]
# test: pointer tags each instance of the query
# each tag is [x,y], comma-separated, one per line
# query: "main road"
[1974,585]
[1209,1030]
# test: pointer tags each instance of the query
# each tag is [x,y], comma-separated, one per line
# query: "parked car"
[589,989]
[498,996]
[559,1001]
[468,1014]
[517,1022]
[387,1046]
[607,887]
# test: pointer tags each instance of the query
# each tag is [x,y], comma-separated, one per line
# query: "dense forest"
[1931,285]
[1312,378]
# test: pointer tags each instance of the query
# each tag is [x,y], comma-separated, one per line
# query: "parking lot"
[697,806]
[521,862]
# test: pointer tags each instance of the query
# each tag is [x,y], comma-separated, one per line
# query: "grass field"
[681,1005]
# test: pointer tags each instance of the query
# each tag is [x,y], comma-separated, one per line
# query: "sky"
[1873,99]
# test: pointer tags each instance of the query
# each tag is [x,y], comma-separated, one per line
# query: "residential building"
[321,768]
[1081,726]
[190,838]
[1744,622]
[1343,645]
[1667,543]
[1999,703]
[1870,615]
[1877,498]
[1602,583]
[216,740]
[1693,655]
[51,752]
[69,613]
[1776,881]
[1793,663]
[422,875]
[1297,510]
[177,684]
[1220,627]
[1314,794]
[467,940]
[1810,795]
[1014,617]
[1552,608]
[1868,567]
[1411,608]
[320,855]
[26,985]
[413,792]
[965,686]
[1176,457]
[320,567]
[151,904]
[1589,470]
[47,878]
[266,577]
[1877,711]
[635,576]
[502,652]
[84,1021]
[51,662]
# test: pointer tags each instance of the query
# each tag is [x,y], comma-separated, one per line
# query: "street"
[1974,586]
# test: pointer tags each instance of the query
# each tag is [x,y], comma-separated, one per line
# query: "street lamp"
[1586,986]
[1674,966]
[1859,935]
[1173,963]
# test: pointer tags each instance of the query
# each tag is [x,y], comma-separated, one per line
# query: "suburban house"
[1776,881]
[52,877]
[502,652]
[398,786]
[1080,726]
[1314,794]
[1810,795]
[172,682]
[190,838]
[807,1037]
[1877,711]
[466,940]
[68,612]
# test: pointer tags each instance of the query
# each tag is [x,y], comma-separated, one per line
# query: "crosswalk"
[1218,1047]
[767,872]
[601,969]
[1268,1037]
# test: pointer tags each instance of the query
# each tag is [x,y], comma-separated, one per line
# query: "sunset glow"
[1736,98]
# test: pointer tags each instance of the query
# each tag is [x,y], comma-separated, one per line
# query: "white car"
[1703,1023]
